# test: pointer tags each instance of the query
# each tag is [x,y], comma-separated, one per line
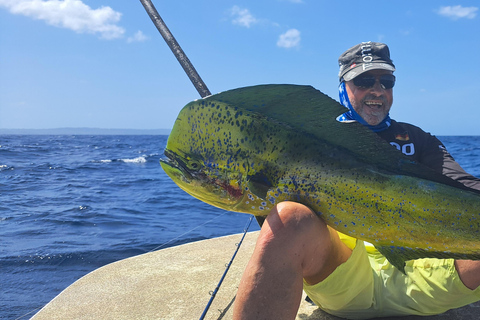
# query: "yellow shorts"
[367,286]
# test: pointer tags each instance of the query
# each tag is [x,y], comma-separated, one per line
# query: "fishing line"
[214,292]
[187,232]
[28,313]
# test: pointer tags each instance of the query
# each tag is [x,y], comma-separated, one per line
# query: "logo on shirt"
[407,149]
[402,137]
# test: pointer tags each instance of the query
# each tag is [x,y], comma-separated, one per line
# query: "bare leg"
[293,244]
[469,272]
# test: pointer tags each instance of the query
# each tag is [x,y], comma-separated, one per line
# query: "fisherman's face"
[372,104]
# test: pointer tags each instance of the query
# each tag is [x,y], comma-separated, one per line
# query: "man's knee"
[291,216]
[292,225]
[469,272]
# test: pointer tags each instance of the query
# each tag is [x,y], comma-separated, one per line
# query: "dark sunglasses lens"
[388,81]
[364,82]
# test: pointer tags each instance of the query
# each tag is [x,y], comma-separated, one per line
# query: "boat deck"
[175,283]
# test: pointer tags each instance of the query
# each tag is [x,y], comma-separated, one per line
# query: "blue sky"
[102,64]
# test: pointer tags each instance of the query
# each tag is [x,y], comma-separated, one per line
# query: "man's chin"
[374,121]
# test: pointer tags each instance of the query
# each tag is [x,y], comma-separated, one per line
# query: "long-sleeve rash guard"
[428,150]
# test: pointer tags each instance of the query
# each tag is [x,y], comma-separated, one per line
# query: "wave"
[138,160]
[135,160]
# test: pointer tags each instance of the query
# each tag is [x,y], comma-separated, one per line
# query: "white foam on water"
[141,159]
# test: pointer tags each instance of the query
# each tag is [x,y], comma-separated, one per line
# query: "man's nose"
[378,87]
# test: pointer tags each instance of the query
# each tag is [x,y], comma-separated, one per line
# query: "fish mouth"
[173,161]
[168,157]
[174,165]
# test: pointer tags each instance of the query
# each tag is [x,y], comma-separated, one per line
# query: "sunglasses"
[368,81]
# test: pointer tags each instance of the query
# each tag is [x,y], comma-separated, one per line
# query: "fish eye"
[193,165]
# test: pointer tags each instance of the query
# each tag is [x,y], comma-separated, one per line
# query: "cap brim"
[358,70]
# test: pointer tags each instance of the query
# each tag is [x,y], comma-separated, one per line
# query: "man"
[296,250]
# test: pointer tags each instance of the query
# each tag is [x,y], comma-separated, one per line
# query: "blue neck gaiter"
[351,115]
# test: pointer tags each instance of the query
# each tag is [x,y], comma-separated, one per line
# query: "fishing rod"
[176,49]
[204,92]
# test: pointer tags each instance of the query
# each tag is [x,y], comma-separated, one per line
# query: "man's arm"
[436,156]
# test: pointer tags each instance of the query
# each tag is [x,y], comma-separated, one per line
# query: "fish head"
[193,175]
[203,155]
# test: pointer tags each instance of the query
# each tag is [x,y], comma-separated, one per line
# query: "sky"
[103,64]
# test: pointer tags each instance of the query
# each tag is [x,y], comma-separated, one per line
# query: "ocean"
[70,204]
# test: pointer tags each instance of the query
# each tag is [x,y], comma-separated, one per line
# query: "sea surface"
[72,203]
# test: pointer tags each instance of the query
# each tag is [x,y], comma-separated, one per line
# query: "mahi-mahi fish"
[248,149]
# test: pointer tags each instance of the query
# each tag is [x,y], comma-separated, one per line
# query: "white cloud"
[458,12]
[137,37]
[289,39]
[70,14]
[242,17]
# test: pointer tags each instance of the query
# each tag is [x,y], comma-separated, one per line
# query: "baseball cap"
[364,57]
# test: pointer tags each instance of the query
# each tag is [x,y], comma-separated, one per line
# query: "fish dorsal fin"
[307,110]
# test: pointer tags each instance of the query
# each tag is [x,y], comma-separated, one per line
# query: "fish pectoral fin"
[395,255]
[259,185]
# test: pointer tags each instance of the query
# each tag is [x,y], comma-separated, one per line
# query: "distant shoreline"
[85,131]
[100,131]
